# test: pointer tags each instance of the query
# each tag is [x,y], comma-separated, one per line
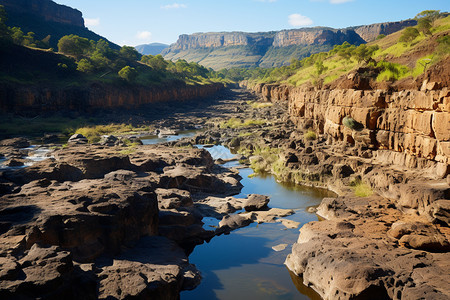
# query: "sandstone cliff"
[315,36]
[240,49]
[413,123]
[393,242]
[21,99]
[371,32]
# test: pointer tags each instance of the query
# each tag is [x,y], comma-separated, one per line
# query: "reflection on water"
[242,265]
[298,281]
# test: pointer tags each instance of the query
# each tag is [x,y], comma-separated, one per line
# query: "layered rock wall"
[315,37]
[19,99]
[413,123]
[370,32]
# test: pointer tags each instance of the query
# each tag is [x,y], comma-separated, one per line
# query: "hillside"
[270,49]
[151,49]
[388,61]
[47,18]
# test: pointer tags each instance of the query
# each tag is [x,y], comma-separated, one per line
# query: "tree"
[408,35]
[74,45]
[17,35]
[432,15]
[130,53]
[365,53]
[320,68]
[85,66]
[4,30]
[29,40]
[128,73]
[424,25]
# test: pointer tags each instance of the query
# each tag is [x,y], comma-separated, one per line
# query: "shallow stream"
[243,265]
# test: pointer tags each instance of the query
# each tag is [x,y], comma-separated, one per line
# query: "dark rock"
[78,139]
[109,140]
[232,222]
[15,143]
[256,202]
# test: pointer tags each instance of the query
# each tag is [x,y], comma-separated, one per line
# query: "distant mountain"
[270,49]
[45,17]
[151,49]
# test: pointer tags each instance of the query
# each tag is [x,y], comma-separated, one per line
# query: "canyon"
[271,49]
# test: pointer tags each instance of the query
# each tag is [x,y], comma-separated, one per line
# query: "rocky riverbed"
[112,221]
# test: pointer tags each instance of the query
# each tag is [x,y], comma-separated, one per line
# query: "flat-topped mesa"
[220,39]
[370,32]
[316,36]
[220,50]
[46,9]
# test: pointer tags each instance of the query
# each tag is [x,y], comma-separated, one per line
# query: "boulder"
[77,138]
[256,202]
[109,140]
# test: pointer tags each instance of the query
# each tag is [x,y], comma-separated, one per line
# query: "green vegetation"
[239,123]
[391,71]
[128,73]
[361,189]
[94,133]
[409,35]
[310,135]
[15,126]
[324,67]
[84,61]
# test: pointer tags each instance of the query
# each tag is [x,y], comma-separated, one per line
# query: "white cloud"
[144,35]
[339,1]
[91,22]
[298,20]
[174,6]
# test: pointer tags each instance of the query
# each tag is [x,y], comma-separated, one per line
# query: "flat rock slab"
[367,248]
[154,268]
[290,224]
[268,216]
[279,247]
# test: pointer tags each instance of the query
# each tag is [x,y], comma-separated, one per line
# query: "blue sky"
[135,22]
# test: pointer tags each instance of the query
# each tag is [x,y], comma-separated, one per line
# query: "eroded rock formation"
[105,224]
[37,99]
[394,244]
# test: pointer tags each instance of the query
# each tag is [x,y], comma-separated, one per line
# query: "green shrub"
[128,73]
[361,189]
[391,71]
[409,35]
[239,123]
[310,135]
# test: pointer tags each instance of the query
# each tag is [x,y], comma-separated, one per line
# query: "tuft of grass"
[239,123]
[310,135]
[94,133]
[245,134]
[361,189]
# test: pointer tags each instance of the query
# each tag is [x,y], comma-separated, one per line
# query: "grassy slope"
[410,58]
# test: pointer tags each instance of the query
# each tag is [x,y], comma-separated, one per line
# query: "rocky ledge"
[392,242]
[113,222]
[104,223]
